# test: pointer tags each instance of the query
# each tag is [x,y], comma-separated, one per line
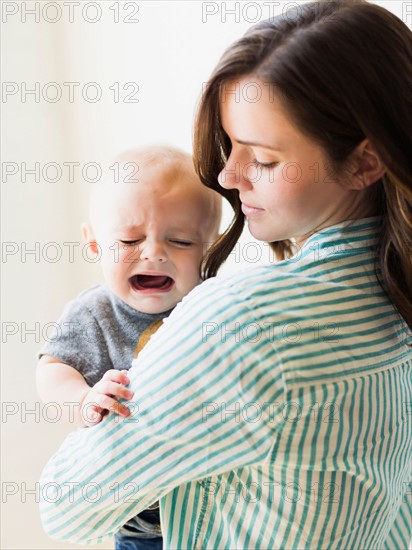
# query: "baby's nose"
[153,251]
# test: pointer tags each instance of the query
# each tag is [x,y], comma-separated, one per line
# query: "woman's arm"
[197,386]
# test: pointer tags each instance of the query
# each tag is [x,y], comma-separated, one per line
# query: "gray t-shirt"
[96,332]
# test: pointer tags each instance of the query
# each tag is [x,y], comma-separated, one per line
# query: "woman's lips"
[147,283]
[250,211]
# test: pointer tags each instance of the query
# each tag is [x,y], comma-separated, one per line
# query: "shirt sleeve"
[77,340]
[204,388]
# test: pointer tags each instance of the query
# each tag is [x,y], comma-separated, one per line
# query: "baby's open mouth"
[151,282]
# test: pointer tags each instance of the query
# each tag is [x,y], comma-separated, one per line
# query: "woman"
[272,409]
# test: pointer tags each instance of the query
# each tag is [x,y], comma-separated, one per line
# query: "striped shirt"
[273,409]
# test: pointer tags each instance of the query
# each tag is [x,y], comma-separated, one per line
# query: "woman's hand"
[104,395]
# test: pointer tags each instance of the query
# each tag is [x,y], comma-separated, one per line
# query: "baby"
[150,231]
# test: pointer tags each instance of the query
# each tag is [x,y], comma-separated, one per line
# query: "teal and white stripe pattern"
[273,409]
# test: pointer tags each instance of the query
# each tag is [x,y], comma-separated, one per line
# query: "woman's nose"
[153,251]
[234,175]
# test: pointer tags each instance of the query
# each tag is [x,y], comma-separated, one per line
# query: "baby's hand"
[104,395]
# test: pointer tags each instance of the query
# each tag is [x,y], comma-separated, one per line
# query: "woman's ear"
[89,237]
[366,167]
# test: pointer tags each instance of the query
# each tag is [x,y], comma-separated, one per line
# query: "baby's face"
[152,236]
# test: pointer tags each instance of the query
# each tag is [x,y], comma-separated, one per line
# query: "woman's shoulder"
[251,279]
[240,287]
[330,275]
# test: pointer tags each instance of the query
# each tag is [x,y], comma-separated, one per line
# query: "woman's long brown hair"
[343,70]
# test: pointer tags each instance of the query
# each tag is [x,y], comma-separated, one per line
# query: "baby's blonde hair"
[162,157]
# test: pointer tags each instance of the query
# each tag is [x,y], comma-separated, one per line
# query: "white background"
[166,51]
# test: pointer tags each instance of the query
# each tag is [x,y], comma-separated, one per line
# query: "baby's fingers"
[112,405]
[119,376]
[92,418]
[108,387]
[91,414]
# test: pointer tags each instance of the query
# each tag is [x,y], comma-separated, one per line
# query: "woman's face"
[285,185]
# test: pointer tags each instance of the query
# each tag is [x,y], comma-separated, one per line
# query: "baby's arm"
[59,383]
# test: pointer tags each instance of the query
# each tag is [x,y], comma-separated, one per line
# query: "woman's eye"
[264,165]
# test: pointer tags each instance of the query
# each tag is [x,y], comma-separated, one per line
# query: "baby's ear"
[89,237]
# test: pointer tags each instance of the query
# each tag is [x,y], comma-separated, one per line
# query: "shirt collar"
[350,235]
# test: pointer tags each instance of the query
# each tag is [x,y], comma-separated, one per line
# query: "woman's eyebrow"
[255,144]
[250,143]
